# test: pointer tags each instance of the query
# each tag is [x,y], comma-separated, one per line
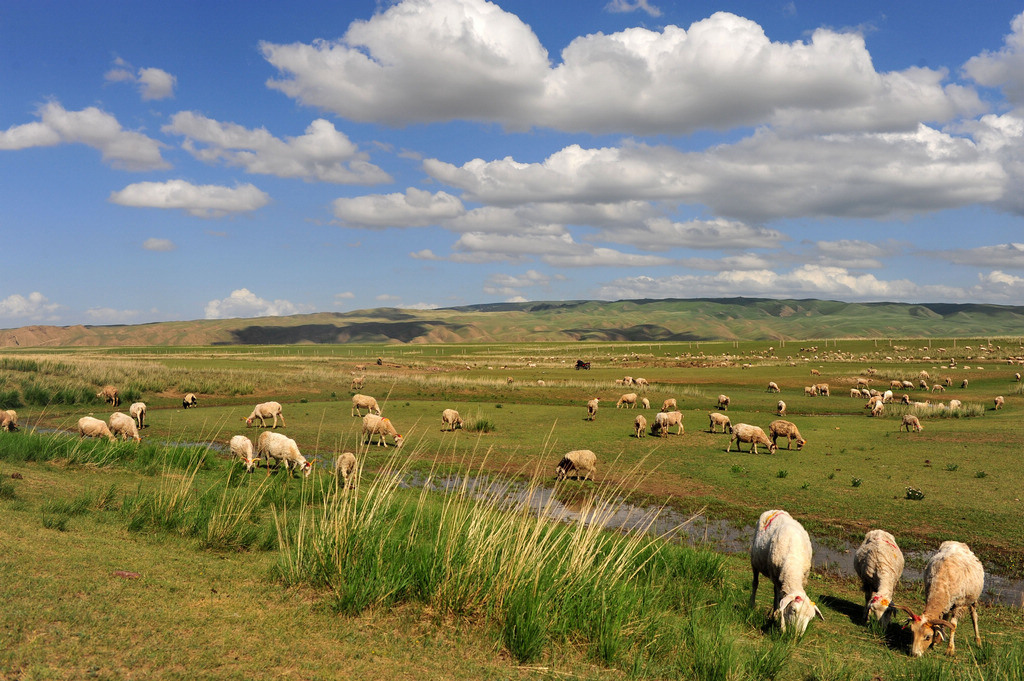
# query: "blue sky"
[174,161]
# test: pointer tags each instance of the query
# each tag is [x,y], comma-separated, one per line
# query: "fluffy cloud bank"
[34,307]
[441,60]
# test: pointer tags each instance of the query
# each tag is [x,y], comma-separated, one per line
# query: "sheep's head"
[248,422]
[924,631]
[797,610]
[800,442]
[881,609]
[772,448]
[398,441]
[307,468]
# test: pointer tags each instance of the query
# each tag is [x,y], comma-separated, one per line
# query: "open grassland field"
[255,575]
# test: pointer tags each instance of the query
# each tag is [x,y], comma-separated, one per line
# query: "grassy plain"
[852,475]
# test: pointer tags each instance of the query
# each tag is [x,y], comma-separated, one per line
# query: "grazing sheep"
[123,426]
[773,387]
[718,419]
[948,382]
[911,421]
[357,382]
[863,383]
[110,395]
[189,400]
[953,581]
[628,380]
[93,427]
[645,403]
[963,384]
[855,392]
[823,390]
[938,388]
[640,425]
[450,420]
[8,420]
[955,404]
[780,408]
[887,396]
[381,427]
[138,412]
[788,430]
[896,385]
[592,409]
[877,409]
[664,420]
[364,402]
[879,564]
[922,384]
[629,400]
[723,402]
[541,383]
[641,383]
[669,404]
[907,385]
[575,463]
[999,402]
[815,372]
[509,380]
[875,399]
[1016,377]
[242,448]
[869,393]
[810,391]
[744,432]
[282,448]
[781,551]
[345,467]
[263,411]
[905,399]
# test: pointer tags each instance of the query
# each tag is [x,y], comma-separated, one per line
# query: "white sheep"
[964,383]
[123,426]
[138,412]
[788,430]
[810,391]
[879,564]
[265,410]
[93,427]
[110,395]
[364,402]
[345,467]
[669,404]
[576,463]
[189,400]
[640,425]
[938,388]
[8,420]
[628,400]
[723,402]
[780,408]
[773,387]
[381,427]
[282,448]
[781,551]
[645,403]
[641,383]
[664,420]
[357,382]
[953,581]
[242,448]
[718,419]
[823,389]
[955,404]
[911,422]
[887,396]
[450,420]
[592,409]
[744,432]
[855,392]
[999,402]
[877,409]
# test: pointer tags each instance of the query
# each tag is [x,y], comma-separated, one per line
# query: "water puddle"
[720,535]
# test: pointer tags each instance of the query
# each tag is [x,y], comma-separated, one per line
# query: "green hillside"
[582,320]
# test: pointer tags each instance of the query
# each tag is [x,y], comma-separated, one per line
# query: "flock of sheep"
[780,550]
[953,581]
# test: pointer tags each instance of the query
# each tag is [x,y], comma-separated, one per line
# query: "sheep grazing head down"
[924,631]
[880,608]
[797,611]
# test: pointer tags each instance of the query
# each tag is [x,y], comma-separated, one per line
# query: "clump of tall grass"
[10,399]
[36,393]
[488,549]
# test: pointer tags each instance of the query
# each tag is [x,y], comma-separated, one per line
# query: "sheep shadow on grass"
[893,637]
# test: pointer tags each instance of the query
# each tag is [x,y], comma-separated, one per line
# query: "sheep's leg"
[753,591]
[974,620]
[283,424]
[951,648]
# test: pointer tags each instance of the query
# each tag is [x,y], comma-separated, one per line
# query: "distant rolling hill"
[581,320]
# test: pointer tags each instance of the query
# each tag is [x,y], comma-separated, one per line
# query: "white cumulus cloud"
[414,208]
[153,83]
[33,307]
[92,127]
[204,201]
[323,153]
[244,303]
